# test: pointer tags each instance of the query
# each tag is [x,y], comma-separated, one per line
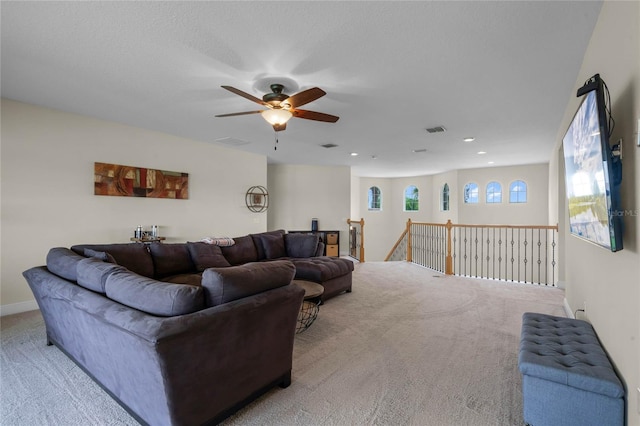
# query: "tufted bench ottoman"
[567,378]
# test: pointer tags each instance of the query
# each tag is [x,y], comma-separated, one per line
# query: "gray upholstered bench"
[567,378]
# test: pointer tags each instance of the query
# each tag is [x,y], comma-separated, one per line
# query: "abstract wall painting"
[128,181]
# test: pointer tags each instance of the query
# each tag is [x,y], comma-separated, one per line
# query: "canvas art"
[129,181]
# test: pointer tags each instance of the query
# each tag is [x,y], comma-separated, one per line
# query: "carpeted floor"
[409,346]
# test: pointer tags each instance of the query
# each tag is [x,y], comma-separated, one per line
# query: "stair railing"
[518,253]
[356,239]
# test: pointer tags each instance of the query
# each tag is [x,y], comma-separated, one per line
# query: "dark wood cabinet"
[331,240]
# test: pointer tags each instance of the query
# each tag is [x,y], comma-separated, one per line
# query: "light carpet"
[408,346]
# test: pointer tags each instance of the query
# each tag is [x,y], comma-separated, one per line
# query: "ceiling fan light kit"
[281,107]
[276,116]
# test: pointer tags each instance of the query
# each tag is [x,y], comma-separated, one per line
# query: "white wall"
[383,228]
[451,179]
[534,212]
[47,189]
[609,283]
[298,193]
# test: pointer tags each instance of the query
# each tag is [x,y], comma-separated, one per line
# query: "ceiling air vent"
[329,145]
[437,129]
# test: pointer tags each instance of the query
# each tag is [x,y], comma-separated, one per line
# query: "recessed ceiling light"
[469,139]
[482,152]
[353,154]
[329,145]
[491,162]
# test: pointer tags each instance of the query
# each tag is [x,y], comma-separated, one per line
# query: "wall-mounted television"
[593,174]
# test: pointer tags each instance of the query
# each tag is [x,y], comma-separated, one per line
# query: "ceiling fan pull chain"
[275,144]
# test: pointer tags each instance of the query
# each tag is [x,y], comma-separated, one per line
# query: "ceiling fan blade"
[244,94]
[280,127]
[305,97]
[317,116]
[239,113]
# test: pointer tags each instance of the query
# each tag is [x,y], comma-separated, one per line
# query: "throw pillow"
[218,241]
[206,256]
[170,259]
[257,241]
[301,245]
[243,251]
[273,246]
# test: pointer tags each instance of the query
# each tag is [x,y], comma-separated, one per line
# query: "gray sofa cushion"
[269,241]
[133,256]
[92,273]
[301,245]
[321,269]
[243,251]
[170,259]
[222,285]
[62,262]
[205,256]
[192,278]
[273,246]
[153,297]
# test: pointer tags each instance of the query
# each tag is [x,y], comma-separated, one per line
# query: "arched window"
[471,193]
[494,193]
[518,192]
[444,202]
[411,198]
[375,198]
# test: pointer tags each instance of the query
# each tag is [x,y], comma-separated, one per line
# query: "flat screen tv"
[592,173]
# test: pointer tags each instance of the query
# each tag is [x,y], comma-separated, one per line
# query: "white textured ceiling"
[501,72]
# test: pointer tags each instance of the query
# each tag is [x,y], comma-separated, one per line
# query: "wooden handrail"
[395,246]
[554,227]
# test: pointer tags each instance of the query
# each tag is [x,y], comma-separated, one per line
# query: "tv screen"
[591,191]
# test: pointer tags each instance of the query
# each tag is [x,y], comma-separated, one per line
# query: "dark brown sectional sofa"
[183,263]
[183,334]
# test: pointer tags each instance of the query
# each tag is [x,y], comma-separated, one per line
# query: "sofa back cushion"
[301,245]
[170,259]
[222,285]
[153,297]
[62,262]
[205,256]
[243,251]
[93,273]
[133,256]
[269,245]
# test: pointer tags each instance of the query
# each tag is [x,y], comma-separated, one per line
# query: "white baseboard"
[16,308]
[567,309]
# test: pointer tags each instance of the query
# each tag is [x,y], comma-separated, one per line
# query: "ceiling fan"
[282,107]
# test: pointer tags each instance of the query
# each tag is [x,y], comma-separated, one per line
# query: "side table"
[310,304]
[147,239]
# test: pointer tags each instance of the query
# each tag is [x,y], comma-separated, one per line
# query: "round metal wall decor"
[257,199]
